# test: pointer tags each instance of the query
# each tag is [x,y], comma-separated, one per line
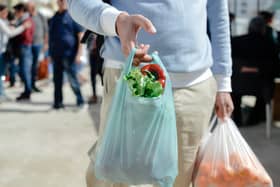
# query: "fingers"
[224,106]
[146,58]
[127,47]
[224,111]
[127,27]
[145,23]
[27,24]
[141,55]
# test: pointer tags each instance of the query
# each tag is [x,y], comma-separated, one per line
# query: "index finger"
[145,23]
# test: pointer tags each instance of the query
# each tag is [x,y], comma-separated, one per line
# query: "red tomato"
[156,70]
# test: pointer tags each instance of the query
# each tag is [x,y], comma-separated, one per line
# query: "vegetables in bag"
[226,160]
[147,82]
[139,145]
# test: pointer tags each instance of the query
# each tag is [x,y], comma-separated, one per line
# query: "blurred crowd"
[31,44]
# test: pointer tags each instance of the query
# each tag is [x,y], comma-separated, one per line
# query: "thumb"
[144,23]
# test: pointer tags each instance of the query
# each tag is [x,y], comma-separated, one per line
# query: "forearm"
[80,46]
[88,13]
[46,42]
[11,32]
[46,33]
[218,16]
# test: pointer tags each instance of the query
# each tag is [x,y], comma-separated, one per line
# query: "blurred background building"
[45,7]
[245,10]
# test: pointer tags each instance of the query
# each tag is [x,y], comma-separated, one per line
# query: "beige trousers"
[193,106]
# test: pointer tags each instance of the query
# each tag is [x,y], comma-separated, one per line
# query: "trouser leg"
[25,68]
[58,81]
[193,106]
[70,68]
[93,73]
[35,56]
[2,67]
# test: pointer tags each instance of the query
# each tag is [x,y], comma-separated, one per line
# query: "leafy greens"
[143,85]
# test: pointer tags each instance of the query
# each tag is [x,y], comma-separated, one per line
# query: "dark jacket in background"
[63,36]
[257,51]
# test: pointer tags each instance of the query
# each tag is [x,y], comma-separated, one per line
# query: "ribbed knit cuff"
[108,20]
[223,83]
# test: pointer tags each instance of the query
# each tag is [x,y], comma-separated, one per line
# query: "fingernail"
[153,29]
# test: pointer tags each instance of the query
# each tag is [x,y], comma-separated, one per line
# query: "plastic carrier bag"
[139,145]
[226,160]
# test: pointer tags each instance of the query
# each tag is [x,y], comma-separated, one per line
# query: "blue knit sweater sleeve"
[218,15]
[87,13]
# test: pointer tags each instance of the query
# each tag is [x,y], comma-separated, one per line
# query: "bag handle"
[212,123]
[129,61]
[156,60]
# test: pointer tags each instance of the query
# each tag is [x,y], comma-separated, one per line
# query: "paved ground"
[46,148]
[268,151]
[43,147]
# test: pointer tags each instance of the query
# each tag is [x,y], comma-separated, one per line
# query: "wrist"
[223,83]
[122,17]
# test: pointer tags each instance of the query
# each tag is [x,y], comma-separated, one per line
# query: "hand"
[45,47]
[50,59]
[127,27]
[78,59]
[224,106]
[27,24]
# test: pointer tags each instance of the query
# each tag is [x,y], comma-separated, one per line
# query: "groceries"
[139,144]
[149,81]
[226,160]
[237,174]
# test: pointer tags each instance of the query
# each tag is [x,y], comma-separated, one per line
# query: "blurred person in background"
[40,41]
[96,63]
[24,43]
[5,32]
[231,21]
[9,55]
[261,56]
[65,51]
[270,32]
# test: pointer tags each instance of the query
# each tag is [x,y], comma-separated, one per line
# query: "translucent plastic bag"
[226,160]
[139,145]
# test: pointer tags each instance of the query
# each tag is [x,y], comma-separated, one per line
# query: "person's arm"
[11,32]
[107,20]
[218,16]
[46,37]
[90,14]
[78,31]
[50,36]
[80,48]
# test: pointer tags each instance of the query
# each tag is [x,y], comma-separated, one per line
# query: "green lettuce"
[143,85]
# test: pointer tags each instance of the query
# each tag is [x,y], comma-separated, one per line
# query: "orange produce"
[237,173]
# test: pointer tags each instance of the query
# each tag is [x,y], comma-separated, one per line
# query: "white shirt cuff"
[108,20]
[223,83]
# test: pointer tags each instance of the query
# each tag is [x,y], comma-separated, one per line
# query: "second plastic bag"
[139,145]
[226,160]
